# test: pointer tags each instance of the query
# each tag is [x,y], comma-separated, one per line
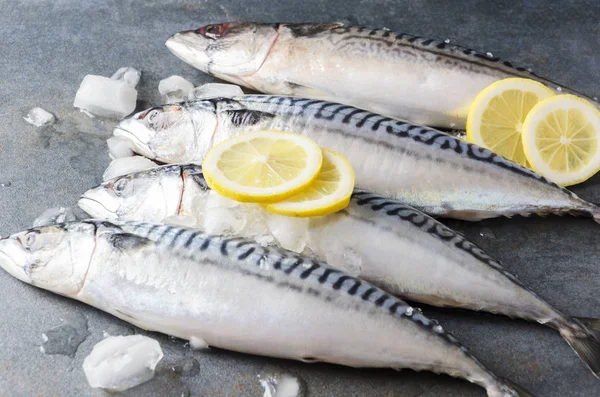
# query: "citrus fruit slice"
[495,120]
[328,193]
[560,138]
[262,166]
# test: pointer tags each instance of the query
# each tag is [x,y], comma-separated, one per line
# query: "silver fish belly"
[238,295]
[427,81]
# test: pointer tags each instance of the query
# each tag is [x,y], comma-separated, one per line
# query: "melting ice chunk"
[120,362]
[54,215]
[105,97]
[127,165]
[283,385]
[292,233]
[119,147]
[175,88]
[198,343]
[128,74]
[212,90]
[39,117]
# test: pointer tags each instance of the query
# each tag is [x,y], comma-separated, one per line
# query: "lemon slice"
[262,166]
[560,137]
[495,120]
[328,193]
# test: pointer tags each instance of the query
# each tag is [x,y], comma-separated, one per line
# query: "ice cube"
[103,96]
[215,200]
[175,88]
[128,74]
[225,221]
[120,362]
[198,343]
[54,215]
[291,233]
[281,385]
[212,90]
[39,117]
[119,147]
[127,165]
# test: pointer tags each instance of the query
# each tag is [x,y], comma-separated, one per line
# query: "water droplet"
[65,338]
[386,29]
[438,328]
[529,70]
[489,54]
[595,98]
[5,184]
[409,311]
[486,232]
[559,89]
[447,41]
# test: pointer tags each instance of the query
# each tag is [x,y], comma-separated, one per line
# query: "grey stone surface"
[47,47]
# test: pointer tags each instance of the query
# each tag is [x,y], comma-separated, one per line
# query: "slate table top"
[47,47]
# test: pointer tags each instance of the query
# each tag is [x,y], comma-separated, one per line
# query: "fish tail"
[583,335]
[508,389]
[596,215]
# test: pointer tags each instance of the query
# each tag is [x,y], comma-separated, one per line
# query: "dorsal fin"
[310,29]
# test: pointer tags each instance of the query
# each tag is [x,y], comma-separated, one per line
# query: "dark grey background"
[47,47]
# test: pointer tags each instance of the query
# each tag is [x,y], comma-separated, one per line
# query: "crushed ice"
[105,97]
[281,385]
[127,165]
[55,215]
[175,89]
[197,343]
[118,363]
[212,90]
[39,117]
[128,74]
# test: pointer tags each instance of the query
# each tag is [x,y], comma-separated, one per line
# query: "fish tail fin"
[584,338]
[508,389]
[596,215]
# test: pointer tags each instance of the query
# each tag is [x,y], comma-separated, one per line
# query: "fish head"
[52,257]
[170,133]
[148,195]
[226,50]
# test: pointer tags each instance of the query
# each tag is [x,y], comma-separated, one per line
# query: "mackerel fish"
[422,167]
[235,294]
[430,82]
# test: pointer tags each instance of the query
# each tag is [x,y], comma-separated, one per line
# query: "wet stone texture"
[49,46]
[66,337]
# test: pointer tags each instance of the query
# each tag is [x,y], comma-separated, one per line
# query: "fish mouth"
[95,208]
[140,147]
[182,46]
[10,266]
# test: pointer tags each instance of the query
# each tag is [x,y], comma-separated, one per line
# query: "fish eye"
[211,31]
[152,117]
[119,186]
[28,240]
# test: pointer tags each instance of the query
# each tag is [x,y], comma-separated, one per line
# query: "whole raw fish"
[407,253]
[236,294]
[420,166]
[426,81]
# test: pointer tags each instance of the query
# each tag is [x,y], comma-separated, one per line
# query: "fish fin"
[311,29]
[587,343]
[124,241]
[517,391]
